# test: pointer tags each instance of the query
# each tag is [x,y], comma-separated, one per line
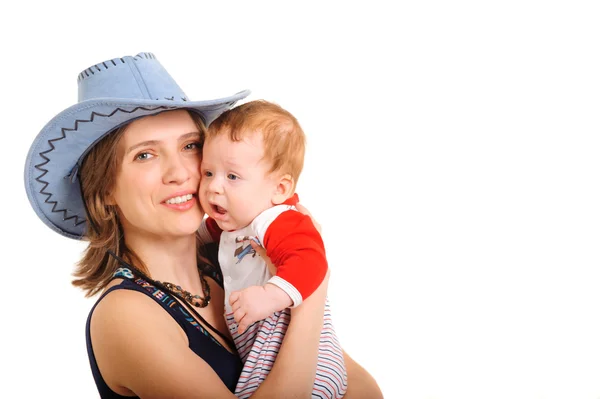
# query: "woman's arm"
[360,383]
[295,368]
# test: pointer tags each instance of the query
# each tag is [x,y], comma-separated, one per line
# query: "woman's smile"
[181,202]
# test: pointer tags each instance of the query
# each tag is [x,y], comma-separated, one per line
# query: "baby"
[252,158]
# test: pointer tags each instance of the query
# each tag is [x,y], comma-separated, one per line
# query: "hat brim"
[51,188]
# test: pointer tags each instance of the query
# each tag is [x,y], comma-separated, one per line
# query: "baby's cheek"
[202,199]
[244,213]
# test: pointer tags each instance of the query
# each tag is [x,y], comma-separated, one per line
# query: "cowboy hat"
[111,94]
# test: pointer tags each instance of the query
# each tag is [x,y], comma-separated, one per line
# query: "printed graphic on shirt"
[244,248]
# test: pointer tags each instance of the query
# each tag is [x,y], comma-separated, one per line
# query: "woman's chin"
[185,226]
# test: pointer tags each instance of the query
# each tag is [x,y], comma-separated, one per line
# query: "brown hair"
[283,138]
[104,231]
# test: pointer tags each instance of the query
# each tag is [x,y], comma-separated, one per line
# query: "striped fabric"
[259,344]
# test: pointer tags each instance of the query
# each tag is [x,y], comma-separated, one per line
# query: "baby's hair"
[283,138]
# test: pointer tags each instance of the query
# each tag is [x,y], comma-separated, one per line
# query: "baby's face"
[235,185]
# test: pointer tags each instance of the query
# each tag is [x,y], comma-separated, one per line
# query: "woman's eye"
[231,176]
[192,146]
[142,156]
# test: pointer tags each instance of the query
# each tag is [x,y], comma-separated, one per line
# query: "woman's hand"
[305,211]
[263,254]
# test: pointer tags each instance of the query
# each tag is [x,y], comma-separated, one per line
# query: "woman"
[158,329]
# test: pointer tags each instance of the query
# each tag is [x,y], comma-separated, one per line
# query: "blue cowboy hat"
[111,94]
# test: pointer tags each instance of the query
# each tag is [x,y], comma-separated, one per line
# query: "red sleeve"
[213,229]
[296,248]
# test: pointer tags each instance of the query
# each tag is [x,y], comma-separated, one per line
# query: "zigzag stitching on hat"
[52,148]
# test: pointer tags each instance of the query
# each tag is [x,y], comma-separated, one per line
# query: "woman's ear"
[109,199]
[283,190]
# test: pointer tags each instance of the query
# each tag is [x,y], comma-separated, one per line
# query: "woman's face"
[157,183]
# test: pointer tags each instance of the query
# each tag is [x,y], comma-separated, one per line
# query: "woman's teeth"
[179,200]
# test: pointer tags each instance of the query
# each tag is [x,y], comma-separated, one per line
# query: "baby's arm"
[297,251]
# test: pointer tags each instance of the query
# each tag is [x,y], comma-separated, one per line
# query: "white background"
[453,162]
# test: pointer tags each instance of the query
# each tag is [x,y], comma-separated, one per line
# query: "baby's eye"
[142,156]
[207,173]
[231,176]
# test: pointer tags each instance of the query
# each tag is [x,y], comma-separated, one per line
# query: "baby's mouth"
[218,209]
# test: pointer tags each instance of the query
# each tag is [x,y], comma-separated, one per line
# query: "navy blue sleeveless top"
[227,365]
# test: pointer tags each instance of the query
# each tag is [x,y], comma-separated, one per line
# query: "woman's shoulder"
[127,311]
[130,331]
[120,305]
[124,327]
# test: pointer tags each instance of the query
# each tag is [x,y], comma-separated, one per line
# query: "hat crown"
[141,77]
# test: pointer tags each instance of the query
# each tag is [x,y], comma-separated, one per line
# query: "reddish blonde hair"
[283,139]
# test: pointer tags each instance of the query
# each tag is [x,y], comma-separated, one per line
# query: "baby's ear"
[283,190]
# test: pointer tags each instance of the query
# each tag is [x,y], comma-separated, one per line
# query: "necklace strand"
[194,300]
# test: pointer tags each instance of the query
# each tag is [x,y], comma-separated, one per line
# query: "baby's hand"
[256,303]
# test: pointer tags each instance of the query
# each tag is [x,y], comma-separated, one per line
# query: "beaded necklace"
[194,300]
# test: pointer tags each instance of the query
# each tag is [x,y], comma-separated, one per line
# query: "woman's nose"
[175,171]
